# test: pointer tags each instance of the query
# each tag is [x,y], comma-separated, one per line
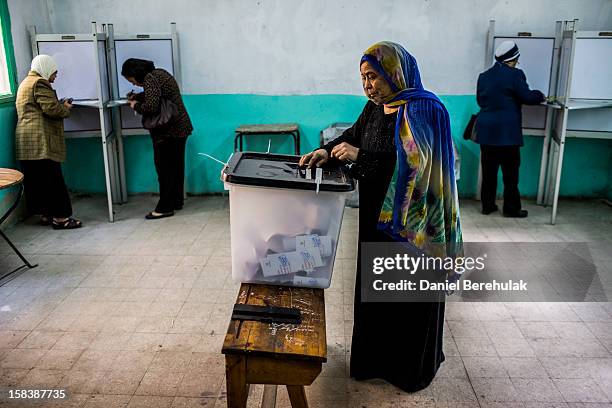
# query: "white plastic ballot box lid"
[282,171]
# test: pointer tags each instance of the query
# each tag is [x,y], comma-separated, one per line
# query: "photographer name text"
[463,285]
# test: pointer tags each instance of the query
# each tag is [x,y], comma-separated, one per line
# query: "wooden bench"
[275,353]
[291,129]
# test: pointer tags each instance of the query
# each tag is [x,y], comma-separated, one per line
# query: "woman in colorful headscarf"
[40,145]
[403,156]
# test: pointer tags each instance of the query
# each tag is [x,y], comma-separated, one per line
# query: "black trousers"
[169,157]
[509,158]
[45,190]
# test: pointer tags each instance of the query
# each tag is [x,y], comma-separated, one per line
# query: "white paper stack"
[303,253]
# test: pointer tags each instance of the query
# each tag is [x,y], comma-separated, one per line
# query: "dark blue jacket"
[501,91]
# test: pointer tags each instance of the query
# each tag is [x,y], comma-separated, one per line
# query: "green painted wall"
[609,195]
[8,119]
[586,170]
[8,116]
[7,149]
[214,118]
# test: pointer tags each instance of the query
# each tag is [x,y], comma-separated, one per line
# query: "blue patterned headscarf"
[421,205]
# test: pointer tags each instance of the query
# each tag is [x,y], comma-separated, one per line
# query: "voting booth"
[89,73]
[83,76]
[161,48]
[583,101]
[561,66]
[537,60]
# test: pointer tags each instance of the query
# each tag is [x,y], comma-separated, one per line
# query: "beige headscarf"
[44,66]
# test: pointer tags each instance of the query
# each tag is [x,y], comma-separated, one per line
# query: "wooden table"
[10,178]
[291,129]
[273,353]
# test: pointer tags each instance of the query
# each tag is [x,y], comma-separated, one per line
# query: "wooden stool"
[10,178]
[275,353]
[291,129]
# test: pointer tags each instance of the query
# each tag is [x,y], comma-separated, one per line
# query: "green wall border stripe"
[7,37]
[586,170]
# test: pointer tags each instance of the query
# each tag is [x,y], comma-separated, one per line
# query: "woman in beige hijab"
[40,145]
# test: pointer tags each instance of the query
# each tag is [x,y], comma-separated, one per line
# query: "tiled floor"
[133,314]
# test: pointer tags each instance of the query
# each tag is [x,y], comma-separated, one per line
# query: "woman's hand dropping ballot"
[315,158]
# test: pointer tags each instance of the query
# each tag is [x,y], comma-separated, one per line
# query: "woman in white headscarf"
[40,145]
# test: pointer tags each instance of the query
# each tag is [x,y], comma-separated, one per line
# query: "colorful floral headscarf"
[421,205]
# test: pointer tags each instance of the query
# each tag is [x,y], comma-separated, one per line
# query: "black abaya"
[398,342]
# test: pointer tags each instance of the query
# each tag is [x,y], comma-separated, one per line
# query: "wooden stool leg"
[297,396]
[269,396]
[235,378]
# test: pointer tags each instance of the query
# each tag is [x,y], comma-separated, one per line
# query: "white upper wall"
[314,46]
[25,13]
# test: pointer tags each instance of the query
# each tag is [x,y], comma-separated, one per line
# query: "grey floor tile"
[524,367]
[141,307]
[475,347]
[495,390]
[452,390]
[580,390]
[489,367]
[537,390]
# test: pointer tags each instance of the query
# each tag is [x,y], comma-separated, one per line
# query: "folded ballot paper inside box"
[284,225]
[304,261]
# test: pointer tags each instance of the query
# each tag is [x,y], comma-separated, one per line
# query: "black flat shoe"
[519,214]
[490,210]
[151,216]
[69,223]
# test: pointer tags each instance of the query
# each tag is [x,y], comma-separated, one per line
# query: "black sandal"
[150,215]
[70,223]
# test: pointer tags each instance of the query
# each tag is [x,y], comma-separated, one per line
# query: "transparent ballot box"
[284,220]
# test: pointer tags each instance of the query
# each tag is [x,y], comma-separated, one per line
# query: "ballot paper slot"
[267,314]
[293,170]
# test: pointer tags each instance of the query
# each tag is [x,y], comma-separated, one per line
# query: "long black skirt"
[45,190]
[398,342]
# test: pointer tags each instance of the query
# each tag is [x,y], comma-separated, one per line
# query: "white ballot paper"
[310,281]
[315,241]
[324,243]
[289,243]
[291,262]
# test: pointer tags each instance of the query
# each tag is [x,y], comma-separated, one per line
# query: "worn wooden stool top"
[268,128]
[9,177]
[259,352]
[306,341]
